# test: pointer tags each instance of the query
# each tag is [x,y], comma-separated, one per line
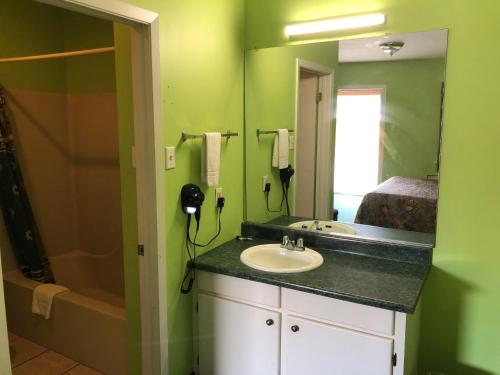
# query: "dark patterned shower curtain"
[17,212]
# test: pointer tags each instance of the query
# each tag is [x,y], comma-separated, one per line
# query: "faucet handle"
[300,243]
[285,241]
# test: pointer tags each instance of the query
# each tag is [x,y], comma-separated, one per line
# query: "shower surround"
[68,152]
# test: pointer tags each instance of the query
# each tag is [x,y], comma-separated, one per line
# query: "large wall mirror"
[344,137]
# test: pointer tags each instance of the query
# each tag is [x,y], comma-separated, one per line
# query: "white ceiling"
[422,45]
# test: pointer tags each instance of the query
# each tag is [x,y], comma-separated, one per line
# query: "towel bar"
[228,134]
[259,132]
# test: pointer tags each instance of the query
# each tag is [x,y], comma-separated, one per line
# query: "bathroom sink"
[273,258]
[324,226]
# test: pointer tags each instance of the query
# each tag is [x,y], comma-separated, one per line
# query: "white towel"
[210,159]
[280,149]
[42,298]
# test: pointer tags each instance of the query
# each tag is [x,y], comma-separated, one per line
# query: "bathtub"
[87,323]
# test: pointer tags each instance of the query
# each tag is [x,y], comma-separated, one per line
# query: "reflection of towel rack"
[259,132]
[228,134]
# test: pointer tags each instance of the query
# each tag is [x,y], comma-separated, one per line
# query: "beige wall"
[40,124]
[96,178]
[68,151]
[92,120]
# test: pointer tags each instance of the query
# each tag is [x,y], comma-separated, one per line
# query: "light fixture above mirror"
[335,24]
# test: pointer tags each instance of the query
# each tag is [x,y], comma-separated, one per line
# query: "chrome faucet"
[289,244]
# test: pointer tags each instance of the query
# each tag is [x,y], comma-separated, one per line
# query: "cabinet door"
[235,338]
[315,348]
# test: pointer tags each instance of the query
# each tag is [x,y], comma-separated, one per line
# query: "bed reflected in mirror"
[361,120]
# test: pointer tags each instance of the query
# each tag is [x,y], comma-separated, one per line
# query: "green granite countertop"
[388,284]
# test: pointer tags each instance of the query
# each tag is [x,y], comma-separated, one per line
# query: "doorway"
[313,188]
[147,192]
[358,148]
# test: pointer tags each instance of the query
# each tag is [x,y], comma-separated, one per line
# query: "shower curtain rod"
[58,55]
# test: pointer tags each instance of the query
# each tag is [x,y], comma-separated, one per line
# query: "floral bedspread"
[401,203]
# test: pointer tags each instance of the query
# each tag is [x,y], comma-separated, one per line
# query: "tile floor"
[29,358]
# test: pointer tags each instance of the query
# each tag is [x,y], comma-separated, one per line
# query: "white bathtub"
[89,330]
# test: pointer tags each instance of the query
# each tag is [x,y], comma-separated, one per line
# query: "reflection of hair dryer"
[286,175]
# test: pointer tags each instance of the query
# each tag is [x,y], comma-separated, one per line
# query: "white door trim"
[325,146]
[323,202]
[149,172]
[313,67]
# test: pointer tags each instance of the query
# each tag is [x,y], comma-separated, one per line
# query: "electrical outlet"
[169,157]
[218,194]
[265,180]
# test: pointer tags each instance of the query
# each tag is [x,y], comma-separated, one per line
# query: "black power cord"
[220,205]
[285,195]
[285,177]
[191,269]
[266,193]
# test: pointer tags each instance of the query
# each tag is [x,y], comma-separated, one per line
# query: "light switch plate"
[170,157]
[291,142]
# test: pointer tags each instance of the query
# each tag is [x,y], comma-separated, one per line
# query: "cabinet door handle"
[295,328]
[269,322]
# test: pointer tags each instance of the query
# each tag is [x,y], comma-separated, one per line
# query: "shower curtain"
[17,212]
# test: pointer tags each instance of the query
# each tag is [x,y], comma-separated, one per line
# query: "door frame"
[323,200]
[148,139]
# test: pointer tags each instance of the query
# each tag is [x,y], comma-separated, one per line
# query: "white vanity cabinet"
[235,338]
[249,328]
[318,348]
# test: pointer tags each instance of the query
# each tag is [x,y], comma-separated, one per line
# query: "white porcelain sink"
[324,226]
[273,258]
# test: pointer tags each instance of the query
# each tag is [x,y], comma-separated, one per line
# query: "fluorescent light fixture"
[335,24]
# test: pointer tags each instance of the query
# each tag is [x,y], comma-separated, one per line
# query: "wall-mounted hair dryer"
[191,198]
[286,175]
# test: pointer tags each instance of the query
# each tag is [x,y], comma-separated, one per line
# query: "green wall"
[461,299]
[89,73]
[202,59]
[270,94]
[40,32]
[30,28]
[412,110]
[202,90]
